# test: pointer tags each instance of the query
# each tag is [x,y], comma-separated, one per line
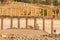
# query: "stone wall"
[22,9]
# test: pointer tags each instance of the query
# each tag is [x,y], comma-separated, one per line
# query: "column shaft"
[51,26]
[1,23]
[26,23]
[43,24]
[18,23]
[43,12]
[11,25]
[34,23]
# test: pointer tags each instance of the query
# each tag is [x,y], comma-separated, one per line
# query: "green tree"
[37,1]
[30,1]
[43,2]
[55,3]
[18,0]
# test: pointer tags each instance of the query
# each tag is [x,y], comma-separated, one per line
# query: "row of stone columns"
[49,11]
[11,25]
[11,22]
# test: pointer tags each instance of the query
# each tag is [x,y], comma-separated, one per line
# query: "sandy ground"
[23,31]
[56,24]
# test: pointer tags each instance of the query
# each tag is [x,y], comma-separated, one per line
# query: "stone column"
[51,26]
[55,14]
[11,25]
[47,12]
[18,23]
[43,11]
[34,23]
[59,9]
[43,24]
[26,23]
[59,13]
[2,23]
